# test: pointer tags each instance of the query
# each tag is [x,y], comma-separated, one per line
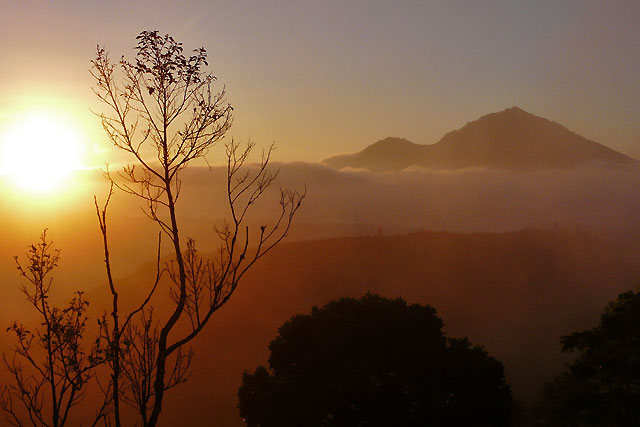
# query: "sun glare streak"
[40,153]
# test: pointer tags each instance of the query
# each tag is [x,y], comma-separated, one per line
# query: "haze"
[480,157]
[332,77]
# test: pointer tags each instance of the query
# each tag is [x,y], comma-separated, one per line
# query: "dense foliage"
[601,387]
[370,362]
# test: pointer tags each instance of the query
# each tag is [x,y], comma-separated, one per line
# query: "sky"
[326,77]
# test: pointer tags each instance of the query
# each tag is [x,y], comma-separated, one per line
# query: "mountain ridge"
[511,139]
[515,293]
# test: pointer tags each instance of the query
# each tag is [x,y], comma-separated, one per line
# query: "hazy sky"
[321,77]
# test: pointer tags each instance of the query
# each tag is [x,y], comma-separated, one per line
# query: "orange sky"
[320,78]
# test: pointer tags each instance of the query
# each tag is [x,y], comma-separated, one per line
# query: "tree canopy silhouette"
[601,387]
[373,362]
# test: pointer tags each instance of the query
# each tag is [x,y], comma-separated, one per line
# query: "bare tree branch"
[57,364]
[166,110]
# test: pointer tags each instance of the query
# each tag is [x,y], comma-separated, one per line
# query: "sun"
[40,152]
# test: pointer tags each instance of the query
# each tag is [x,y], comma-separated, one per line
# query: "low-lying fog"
[338,203]
[500,290]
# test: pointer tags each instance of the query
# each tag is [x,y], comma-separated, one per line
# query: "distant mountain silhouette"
[511,139]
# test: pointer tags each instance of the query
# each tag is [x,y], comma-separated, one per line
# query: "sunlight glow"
[40,153]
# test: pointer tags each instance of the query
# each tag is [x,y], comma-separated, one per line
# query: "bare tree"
[163,111]
[139,364]
[50,368]
[117,336]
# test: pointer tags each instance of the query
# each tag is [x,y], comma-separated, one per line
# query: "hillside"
[511,139]
[516,293]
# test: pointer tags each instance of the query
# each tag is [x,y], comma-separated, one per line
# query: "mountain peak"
[391,141]
[509,139]
[516,109]
[385,154]
[512,113]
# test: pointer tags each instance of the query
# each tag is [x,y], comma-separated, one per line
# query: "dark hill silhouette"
[387,154]
[511,139]
[516,293]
